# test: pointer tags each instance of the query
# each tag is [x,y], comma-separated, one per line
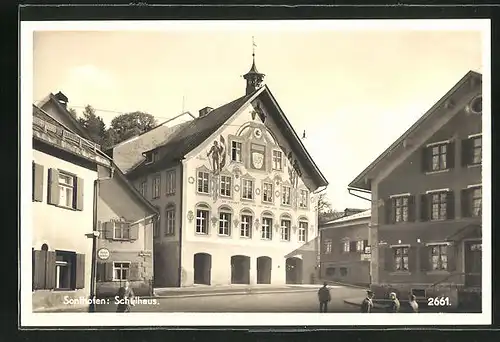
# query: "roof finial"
[253,47]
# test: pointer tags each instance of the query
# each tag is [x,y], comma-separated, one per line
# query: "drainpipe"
[181,216]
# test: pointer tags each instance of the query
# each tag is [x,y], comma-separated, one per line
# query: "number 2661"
[438,301]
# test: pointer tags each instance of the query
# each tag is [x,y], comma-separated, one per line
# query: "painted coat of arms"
[258,156]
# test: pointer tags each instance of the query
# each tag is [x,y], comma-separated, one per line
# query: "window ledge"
[474,165]
[202,234]
[203,193]
[65,290]
[170,194]
[248,199]
[284,240]
[223,235]
[436,172]
[246,237]
[402,273]
[437,272]
[63,207]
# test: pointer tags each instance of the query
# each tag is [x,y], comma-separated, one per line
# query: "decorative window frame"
[286,183]
[286,217]
[245,211]
[267,214]
[226,173]
[268,180]
[170,207]
[244,177]
[226,210]
[203,206]
[206,170]
[282,160]
[243,153]
[299,195]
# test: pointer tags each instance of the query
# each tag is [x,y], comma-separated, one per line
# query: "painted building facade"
[345,249]
[234,189]
[64,171]
[125,221]
[426,193]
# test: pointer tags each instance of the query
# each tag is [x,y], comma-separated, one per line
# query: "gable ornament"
[190,216]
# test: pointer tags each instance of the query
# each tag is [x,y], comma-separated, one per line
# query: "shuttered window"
[437,206]
[438,157]
[472,151]
[472,202]
[118,230]
[58,270]
[37,191]
[65,190]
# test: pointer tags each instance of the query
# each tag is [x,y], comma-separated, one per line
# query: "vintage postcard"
[263,173]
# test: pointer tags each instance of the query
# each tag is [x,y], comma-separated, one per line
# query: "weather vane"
[253,46]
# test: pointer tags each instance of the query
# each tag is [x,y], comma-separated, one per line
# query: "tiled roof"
[345,219]
[191,134]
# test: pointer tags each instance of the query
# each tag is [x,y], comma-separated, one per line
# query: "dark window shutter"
[134,232]
[79,194]
[134,271]
[37,182]
[452,258]
[365,244]
[426,159]
[412,258]
[39,264]
[352,246]
[450,155]
[466,152]
[466,202]
[450,205]
[388,255]
[424,207]
[50,270]
[424,258]
[411,208]
[53,193]
[80,271]
[108,230]
[109,271]
[389,211]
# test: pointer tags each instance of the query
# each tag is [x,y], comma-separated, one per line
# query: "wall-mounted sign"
[368,250]
[103,253]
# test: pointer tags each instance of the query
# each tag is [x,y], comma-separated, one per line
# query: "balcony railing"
[67,140]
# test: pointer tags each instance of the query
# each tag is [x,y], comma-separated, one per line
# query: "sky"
[353,92]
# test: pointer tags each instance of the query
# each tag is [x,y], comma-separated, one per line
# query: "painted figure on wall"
[293,170]
[217,152]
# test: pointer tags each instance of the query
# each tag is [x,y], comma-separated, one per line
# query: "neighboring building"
[125,244]
[64,171]
[234,189]
[345,249]
[426,223]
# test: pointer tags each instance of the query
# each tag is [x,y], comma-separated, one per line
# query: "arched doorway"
[240,269]
[294,270]
[202,268]
[264,266]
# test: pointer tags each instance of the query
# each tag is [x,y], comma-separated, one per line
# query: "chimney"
[205,111]
[62,99]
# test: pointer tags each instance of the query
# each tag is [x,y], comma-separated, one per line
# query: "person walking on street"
[394,305]
[125,298]
[413,303]
[367,304]
[324,298]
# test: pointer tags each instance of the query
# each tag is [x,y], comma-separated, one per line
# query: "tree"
[73,113]
[325,211]
[323,204]
[127,125]
[93,124]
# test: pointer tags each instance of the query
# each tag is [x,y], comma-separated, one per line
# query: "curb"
[232,293]
[350,285]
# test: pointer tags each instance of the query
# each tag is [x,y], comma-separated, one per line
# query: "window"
[143,188]
[170,190]
[236,151]
[66,188]
[302,231]
[360,246]
[149,158]
[121,231]
[225,186]
[328,246]
[286,196]
[401,258]
[65,270]
[439,206]
[267,193]
[203,182]
[343,271]
[303,198]
[477,200]
[156,187]
[330,271]
[277,160]
[477,146]
[246,226]
[266,229]
[438,157]
[346,246]
[224,224]
[202,221]
[247,189]
[285,230]
[121,270]
[472,151]
[170,220]
[439,257]
[401,209]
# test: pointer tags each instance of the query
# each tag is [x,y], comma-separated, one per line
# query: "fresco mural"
[218,155]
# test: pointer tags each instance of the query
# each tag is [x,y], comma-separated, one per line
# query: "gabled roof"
[362,215]
[199,130]
[359,182]
[51,98]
